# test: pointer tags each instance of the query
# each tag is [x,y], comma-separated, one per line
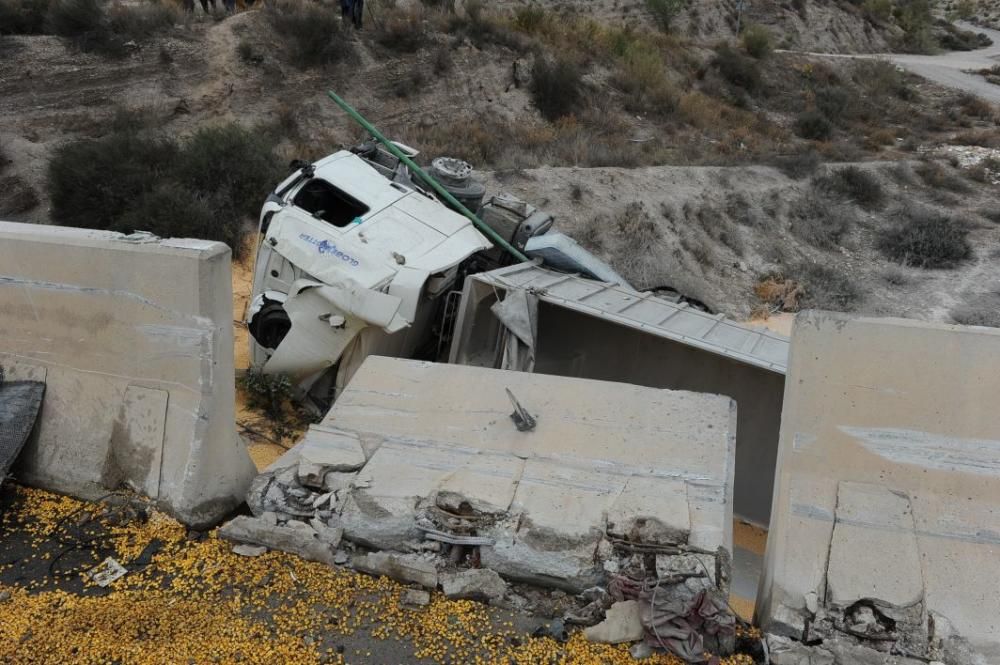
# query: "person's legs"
[359,13]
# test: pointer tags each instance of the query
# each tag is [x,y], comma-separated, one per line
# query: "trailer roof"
[643,310]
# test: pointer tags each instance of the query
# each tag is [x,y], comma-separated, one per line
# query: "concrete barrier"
[133,337]
[888,484]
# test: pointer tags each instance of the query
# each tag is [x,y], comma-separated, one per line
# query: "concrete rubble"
[884,540]
[620,496]
[132,337]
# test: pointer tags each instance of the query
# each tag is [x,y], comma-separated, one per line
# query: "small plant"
[403,32]
[665,11]
[271,394]
[969,316]
[814,126]
[248,53]
[937,176]
[926,238]
[313,33]
[825,287]
[556,88]
[820,222]
[856,184]
[757,41]
[738,69]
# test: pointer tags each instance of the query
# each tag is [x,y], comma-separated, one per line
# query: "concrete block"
[623,623]
[907,406]
[654,511]
[479,584]
[294,537]
[327,449]
[115,322]
[873,551]
[406,568]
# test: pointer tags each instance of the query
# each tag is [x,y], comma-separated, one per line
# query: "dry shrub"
[986,138]
[23,17]
[130,180]
[975,107]
[820,222]
[403,31]
[926,238]
[856,184]
[970,316]
[933,174]
[877,138]
[556,87]
[778,292]
[312,34]
[641,75]
[700,110]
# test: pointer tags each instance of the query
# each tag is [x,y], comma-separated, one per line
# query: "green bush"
[878,10]
[926,238]
[556,88]
[665,11]
[232,160]
[313,33]
[738,69]
[757,41]
[132,181]
[813,125]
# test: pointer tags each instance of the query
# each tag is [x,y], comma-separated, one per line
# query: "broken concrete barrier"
[622,623]
[293,536]
[132,336]
[406,568]
[888,489]
[475,584]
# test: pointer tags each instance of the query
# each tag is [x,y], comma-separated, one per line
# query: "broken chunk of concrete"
[294,537]
[407,568]
[873,552]
[785,651]
[327,449]
[622,623]
[652,511]
[415,597]
[243,549]
[133,338]
[475,584]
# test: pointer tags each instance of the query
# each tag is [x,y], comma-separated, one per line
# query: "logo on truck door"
[326,247]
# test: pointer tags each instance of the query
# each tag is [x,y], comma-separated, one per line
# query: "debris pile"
[614,512]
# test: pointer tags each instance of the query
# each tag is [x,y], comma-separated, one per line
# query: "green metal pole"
[445,194]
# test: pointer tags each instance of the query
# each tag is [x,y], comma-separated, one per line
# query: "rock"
[295,537]
[785,651]
[340,558]
[249,550]
[786,622]
[406,568]
[623,623]
[331,535]
[417,597]
[477,584]
[4,596]
[812,602]
[640,650]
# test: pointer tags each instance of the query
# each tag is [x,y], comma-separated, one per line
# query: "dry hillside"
[691,157]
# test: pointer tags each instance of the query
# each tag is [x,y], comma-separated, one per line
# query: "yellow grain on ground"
[749,537]
[200,603]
